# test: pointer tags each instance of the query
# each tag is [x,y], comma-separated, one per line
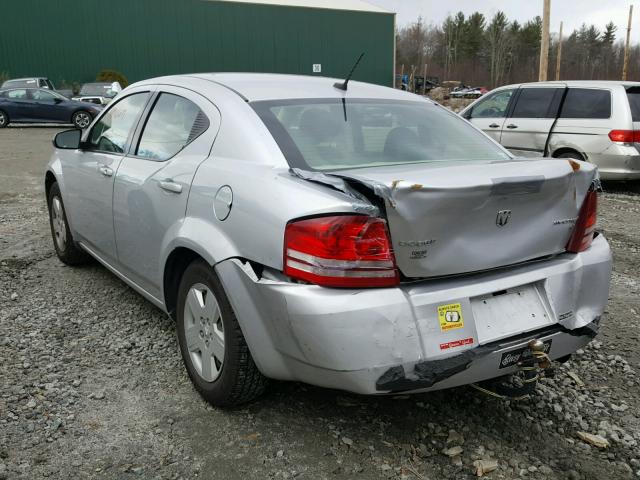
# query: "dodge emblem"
[503,217]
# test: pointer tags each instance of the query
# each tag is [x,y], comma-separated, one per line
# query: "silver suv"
[595,121]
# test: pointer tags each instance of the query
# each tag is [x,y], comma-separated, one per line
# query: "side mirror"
[467,115]
[58,100]
[68,140]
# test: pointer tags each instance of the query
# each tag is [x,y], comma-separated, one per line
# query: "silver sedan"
[353,237]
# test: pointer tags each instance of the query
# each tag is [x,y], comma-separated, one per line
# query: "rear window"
[327,134]
[20,83]
[99,89]
[586,103]
[633,94]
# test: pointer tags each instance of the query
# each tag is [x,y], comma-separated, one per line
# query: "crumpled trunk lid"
[447,219]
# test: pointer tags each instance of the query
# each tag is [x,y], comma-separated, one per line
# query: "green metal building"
[72,40]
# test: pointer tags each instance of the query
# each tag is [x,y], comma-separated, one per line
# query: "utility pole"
[424,81]
[559,55]
[625,65]
[544,42]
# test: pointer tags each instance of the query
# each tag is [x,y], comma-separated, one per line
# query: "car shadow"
[624,188]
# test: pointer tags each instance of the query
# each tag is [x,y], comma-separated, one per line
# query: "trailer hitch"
[532,367]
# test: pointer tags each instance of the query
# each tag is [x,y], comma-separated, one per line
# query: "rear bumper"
[481,363]
[617,162]
[385,340]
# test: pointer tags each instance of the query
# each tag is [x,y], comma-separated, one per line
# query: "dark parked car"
[36,105]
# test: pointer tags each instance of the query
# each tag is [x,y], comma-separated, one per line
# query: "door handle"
[512,126]
[106,171]
[494,125]
[170,186]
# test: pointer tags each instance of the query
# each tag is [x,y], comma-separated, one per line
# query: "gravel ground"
[92,385]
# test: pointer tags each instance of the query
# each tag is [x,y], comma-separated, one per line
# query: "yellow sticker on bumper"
[450,316]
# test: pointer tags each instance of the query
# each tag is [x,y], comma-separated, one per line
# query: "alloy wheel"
[59,223]
[204,332]
[82,120]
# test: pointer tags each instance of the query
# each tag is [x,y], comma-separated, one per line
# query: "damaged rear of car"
[357,238]
[454,258]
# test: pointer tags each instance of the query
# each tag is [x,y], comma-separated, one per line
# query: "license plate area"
[509,312]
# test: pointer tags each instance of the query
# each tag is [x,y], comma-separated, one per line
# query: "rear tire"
[212,345]
[66,248]
[573,154]
[4,119]
[81,119]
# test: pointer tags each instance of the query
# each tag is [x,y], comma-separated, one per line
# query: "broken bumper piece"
[480,363]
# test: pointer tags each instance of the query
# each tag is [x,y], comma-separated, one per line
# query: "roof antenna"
[343,86]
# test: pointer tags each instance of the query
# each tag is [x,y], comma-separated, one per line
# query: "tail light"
[340,251]
[582,235]
[625,136]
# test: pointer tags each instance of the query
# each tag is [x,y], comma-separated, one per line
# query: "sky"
[572,12]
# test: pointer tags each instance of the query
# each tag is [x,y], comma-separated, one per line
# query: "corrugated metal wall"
[74,39]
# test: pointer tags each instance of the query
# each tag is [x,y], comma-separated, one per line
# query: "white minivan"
[595,121]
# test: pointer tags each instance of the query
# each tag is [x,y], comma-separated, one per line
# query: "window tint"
[20,94]
[330,135]
[42,95]
[494,106]
[535,103]
[633,94]
[586,103]
[173,123]
[112,130]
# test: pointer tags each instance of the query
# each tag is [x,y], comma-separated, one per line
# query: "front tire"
[66,248]
[4,119]
[212,345]
[81,119]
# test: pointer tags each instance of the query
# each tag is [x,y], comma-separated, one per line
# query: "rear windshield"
[97,89]
[633,94]
[20,83]
[327,134]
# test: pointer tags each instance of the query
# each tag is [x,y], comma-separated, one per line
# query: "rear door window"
[586,103]
[173,123]
[633,94]
[43,95]
[18,94]
[535,103]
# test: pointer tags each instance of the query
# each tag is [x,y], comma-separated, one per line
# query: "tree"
[412,44]
[479,52]
[499,48]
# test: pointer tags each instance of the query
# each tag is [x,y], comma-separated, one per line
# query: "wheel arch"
[229,272]
[49,180]
[175,265]
[559,151]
